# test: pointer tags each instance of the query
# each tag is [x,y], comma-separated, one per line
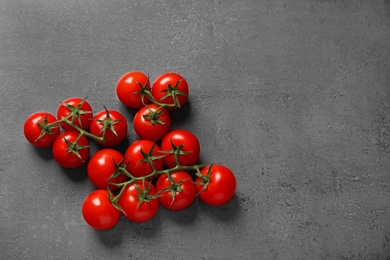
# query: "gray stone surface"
[293,96]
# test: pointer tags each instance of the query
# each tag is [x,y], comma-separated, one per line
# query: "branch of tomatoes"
[161,167]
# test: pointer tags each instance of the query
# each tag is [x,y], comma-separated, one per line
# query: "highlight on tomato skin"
[216,185]
[186,142]
[38,131]
[138,201]
[137,155]
[113,123]
[168,87]
[177,191]
[102,165]
[98,211]
[152,122]
[67,152]
[129,88]
[78,111]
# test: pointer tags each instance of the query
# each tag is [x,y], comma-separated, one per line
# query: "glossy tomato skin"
[221,187]
[161,86]
[148,130]
[129,202]
[32,130]
[85,117]
[128,88]
[101,166]
[185,191]
[190,143]
[134,158]
[119,125]
[98,211]
[70,159]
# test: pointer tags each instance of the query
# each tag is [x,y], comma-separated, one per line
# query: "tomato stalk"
[172,91]
[108,124]
[46,127]
[174,186]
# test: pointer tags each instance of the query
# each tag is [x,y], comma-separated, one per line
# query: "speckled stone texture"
[293,96]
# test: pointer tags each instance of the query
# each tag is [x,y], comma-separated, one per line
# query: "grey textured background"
[293,96]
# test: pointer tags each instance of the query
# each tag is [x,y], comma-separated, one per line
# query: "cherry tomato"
[102,166]
[177,191]
[186,144]
[152,122]
[38,132]
[220,185]
[98,211]
[77,110]
[169,87]
[138,202]
[69,154]
[114,123]
[129,89]
[138,155]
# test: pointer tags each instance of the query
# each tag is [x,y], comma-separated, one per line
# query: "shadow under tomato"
[77,174]
[181,115]
[124,228]
[45,153]
[228,212]
[185,216]
[111,237]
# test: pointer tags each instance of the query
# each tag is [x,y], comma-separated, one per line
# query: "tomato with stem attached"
[170,89]
[130,89]
[181,144]
[138,201]
[176,190]
[143,157]
[40,129]
[76,110]
[102,169]
[215,184]
[111,124]
[99,212]
[152,122]
[70,149]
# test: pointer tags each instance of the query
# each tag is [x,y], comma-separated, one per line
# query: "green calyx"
[144,194]
[46,128]
[143,91]
[149,157]
[108,123]
[173,92]
[205,179]
[175,187]
[75,112]
[74,147]
[154,116]
[176,151]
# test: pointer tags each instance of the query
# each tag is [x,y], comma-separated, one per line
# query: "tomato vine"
[134,183]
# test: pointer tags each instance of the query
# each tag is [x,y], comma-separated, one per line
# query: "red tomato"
[114,123]
[102,166]
[138,155]
[185,143]
[152,122]
[181,192]
[220,185]
[98,211]
[38,132]
[169,87]
[129,89]
[69,154]
[77,110]
[138,201]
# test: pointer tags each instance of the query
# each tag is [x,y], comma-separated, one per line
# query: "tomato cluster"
[161,167]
